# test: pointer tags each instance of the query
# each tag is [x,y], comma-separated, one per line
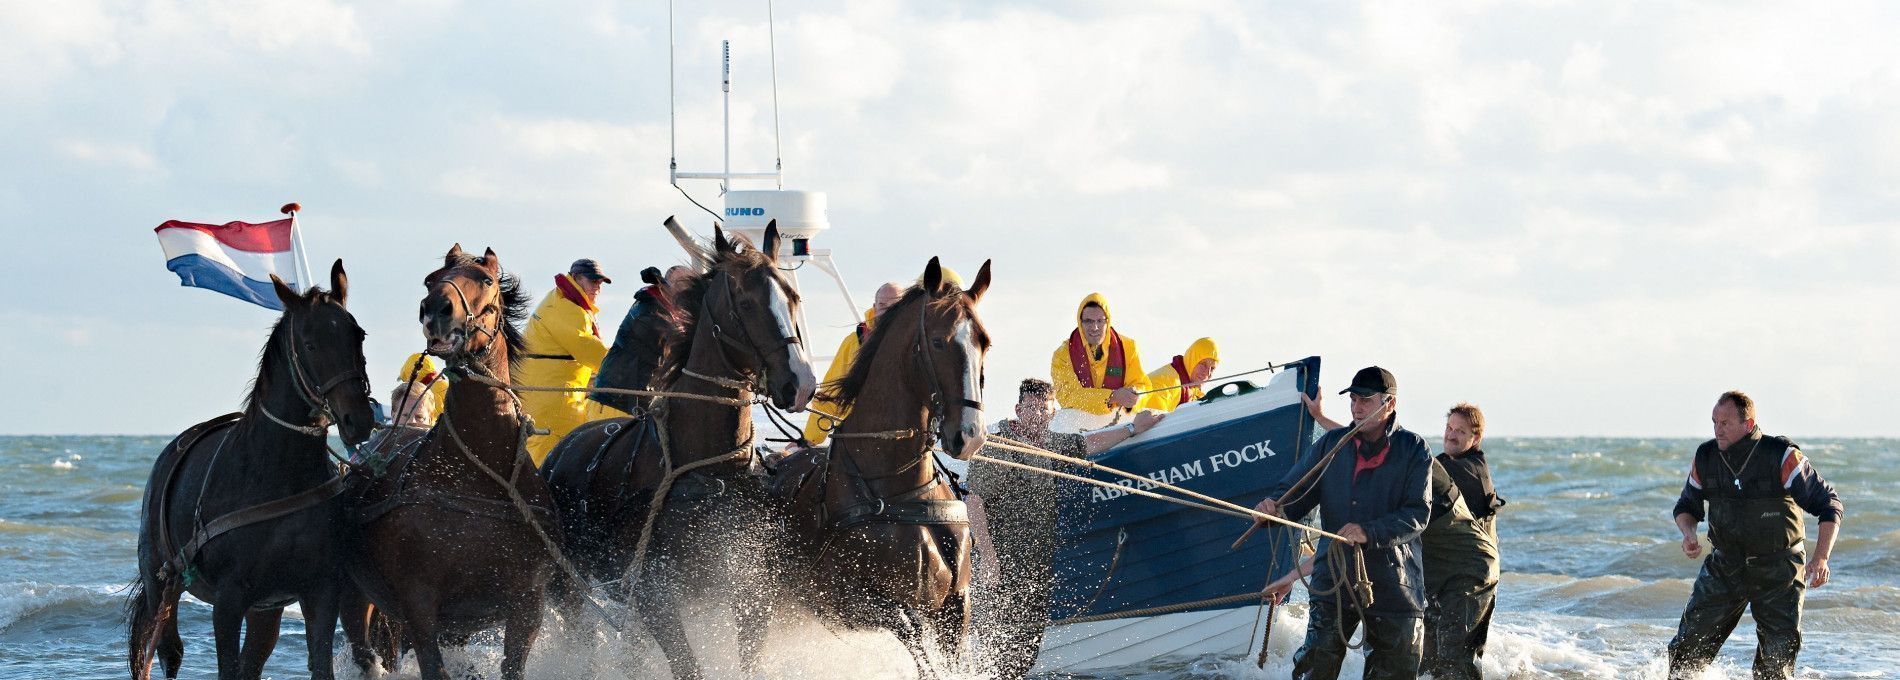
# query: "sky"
[1589,218]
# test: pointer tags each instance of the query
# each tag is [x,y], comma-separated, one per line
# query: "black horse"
[244,511]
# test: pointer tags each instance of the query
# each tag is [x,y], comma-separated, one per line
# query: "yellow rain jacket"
[563,350]
[1093,397]
[818,428]
[1178,371]
[431,367]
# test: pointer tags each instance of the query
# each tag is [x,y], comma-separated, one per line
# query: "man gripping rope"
[1754,487]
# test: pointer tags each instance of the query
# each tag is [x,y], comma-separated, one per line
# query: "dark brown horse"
[244,511]
[884,541]
[454,535]
[742,332]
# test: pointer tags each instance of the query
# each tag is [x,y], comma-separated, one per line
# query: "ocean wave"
[24,601]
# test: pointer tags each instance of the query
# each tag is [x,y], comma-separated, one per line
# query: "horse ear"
[982,283]
[491,262]
[339,283]
[455,253]
[289,297]
[720,244]
[933,276]
[770,247]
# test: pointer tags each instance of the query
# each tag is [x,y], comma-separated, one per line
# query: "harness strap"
[262,512]
[556,357]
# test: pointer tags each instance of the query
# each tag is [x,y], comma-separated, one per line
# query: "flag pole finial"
[290,208]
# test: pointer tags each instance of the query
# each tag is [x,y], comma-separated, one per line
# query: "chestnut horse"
[455,535]
[742,333]
[244,511]
[880,538]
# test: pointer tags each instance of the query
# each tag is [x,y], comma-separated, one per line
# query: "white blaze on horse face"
[965,337]
[796,357]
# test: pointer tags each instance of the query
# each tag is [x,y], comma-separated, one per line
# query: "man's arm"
[579,340]
[1313,409]
[1298,506]
[1278,590]
[1689,512]
[1408,521]
[1816,496]
[1106,437]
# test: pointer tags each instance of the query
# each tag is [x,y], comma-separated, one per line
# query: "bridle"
[749,380]
[317,397]
[469,327]
[927,359]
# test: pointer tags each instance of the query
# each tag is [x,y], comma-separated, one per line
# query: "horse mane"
[677,347]
[273,355]
[845,390]
[514,307]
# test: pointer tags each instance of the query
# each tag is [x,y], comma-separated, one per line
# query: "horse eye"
[937,343]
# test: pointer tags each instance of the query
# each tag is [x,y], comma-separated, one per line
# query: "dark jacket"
[1473,476]
[1391,502]
[1752,492]
[636,350]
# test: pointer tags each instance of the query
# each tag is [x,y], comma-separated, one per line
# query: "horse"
[879,537]
[458,533]
[607,475]
[244,511]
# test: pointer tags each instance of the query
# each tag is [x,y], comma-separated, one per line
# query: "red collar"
[573,292]
[1361,463]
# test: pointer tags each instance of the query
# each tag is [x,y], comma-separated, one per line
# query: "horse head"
[323,345]
[753,311]
[469,307]
[950,343]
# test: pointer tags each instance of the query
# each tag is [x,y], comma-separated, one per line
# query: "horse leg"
[260,638]
[753,614]
[419,622]
[354,610]
[951,625]
[319,621]
[227,623]
[908,626]
[659,610]
[524,622]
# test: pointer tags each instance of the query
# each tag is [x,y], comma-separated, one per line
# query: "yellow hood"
[1201,349]
[1099,300]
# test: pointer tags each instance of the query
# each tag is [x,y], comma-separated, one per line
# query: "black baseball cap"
[1373,380]
[587,267]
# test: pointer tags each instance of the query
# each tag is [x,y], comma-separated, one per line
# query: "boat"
[1138,580]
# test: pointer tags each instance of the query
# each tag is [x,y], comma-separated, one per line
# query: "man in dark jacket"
[1375,491]
[1754,487]
[1461,551]
[636,349]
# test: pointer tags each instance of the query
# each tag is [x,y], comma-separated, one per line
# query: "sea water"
[1594,577]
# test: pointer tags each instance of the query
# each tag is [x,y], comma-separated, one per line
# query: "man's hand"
[1267,506]
[1146,420]
[1278,591]
[1353,534]
[1818,574]
[1312,406]
[1124,397]
[1691,548]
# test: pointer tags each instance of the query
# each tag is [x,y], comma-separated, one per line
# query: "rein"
[316,398]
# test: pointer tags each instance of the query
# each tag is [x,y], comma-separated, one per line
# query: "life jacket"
[1113,375]
[1752,513]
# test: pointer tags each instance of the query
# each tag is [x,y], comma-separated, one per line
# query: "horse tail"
[141,622]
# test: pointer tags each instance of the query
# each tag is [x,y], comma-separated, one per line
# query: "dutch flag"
[235,258]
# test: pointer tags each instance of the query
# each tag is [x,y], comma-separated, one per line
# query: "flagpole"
[296,247]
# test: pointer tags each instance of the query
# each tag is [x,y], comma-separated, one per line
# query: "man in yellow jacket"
[1097,370]
[563,350]
[1179,382]
[817,427]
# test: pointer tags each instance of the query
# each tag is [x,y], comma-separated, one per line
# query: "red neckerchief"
[1361,463]
[1180,368]
[1112,376]
[573,294]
